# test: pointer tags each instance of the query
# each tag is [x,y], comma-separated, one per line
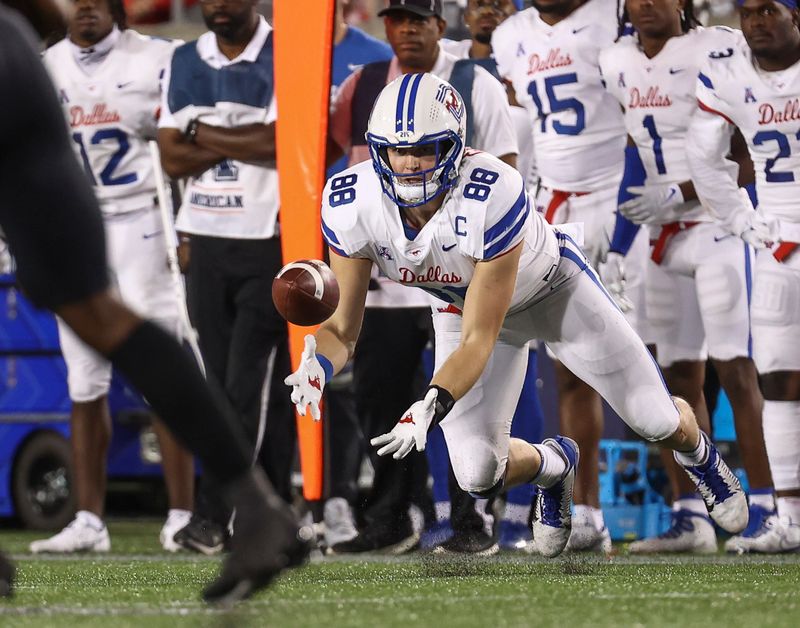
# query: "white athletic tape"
[319,283]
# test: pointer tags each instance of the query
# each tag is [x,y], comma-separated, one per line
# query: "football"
[305,292]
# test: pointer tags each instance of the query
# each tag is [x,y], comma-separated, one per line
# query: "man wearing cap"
[413,29]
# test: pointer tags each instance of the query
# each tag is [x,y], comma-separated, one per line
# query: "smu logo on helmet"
[451,100]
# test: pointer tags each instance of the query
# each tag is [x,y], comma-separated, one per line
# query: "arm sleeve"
[634,174]
[707,144]
[340,123]
[494,131]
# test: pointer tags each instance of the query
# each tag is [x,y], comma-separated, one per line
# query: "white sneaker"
[339,524]
[774,536]
[176,520]
[585,537]
[688,532]
[552,507]
[82,535]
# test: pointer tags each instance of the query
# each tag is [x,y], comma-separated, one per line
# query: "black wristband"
[444,403]
[191,130]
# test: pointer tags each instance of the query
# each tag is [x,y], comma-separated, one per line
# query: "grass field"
[138,585]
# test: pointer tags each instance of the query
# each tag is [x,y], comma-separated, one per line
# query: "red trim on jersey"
[668,231]
[558,199]
[785,250]
[705,107]
[450,309]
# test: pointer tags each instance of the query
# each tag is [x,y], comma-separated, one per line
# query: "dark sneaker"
[383,543]
[266,540]
[552,514]
[721,491]
[7,573]
[203,536]
[476,543]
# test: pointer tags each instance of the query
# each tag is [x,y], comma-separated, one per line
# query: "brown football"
[305,292]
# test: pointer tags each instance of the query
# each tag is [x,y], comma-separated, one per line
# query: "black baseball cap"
[425,8]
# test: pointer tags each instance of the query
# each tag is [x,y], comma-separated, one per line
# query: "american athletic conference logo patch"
[451,100]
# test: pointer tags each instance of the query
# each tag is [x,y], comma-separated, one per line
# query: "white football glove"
[751,225]
[656,204]
[308,380]
[411,431]
[612,274]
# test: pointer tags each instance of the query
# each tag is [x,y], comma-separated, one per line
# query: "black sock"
[169,379]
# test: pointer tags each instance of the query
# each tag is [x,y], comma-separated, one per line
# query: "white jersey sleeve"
[346,200]
[494,130]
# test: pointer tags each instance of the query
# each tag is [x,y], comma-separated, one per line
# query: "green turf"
[138,586]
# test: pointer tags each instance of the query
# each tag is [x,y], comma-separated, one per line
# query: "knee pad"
[492,492]
[477,466]
[782,440]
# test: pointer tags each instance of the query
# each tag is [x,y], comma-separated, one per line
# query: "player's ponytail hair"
[117,8]
[688,18]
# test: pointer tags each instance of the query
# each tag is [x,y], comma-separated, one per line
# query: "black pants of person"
[244,345]
[388,379]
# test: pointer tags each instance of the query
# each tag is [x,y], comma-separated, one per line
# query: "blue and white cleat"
[721,491]
[552,507]
[767,533]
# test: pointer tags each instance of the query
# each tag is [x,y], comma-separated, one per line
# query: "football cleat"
[585,537]
[552,515]
[177,520]
[339,525]
[476,543]
[81,535]
[773,535]
[366,541]
[720,489]
[202,536]
[266,540]
[688,532]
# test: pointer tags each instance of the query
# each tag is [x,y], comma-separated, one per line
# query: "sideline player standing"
[107,77]
[459,225]
[56,234]
[549,54]
[698,279]
[756,87]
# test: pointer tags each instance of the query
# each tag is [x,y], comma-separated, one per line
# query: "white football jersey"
[658,97]
[112,114]
[766,108]
[487,214]
[579,133]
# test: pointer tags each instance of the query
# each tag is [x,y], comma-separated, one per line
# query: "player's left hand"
[655,204]
[612,274]
[411,431]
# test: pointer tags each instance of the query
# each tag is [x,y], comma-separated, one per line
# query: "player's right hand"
[612,274]
[308,380]
[751,225]
[411,431]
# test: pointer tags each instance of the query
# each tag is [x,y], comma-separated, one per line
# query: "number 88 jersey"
[112,113]
[578,129]
[483,217]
